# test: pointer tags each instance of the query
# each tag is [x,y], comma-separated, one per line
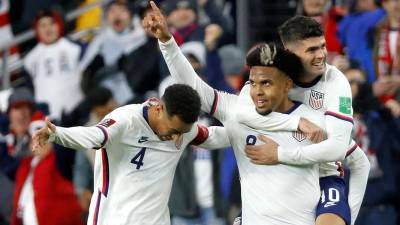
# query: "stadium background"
[107,70]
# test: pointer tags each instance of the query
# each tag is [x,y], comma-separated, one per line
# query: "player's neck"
[152,117]
[285,106]
[308,78]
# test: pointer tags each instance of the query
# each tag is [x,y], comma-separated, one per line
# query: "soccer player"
[138,149]
[156,24]
[278,194]
[325,89]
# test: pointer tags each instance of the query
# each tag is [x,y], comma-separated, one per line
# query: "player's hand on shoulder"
[265,154]
[155,24]
[41,137]
[313,132]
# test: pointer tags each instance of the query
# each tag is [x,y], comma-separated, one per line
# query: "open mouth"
[318,64]
[260,103]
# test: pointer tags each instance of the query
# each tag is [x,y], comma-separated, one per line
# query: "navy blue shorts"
[334,198]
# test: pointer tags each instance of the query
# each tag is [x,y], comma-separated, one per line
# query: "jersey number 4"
[138,158]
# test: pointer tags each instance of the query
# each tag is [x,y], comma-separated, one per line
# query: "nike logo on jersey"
[328,204]
[143,139]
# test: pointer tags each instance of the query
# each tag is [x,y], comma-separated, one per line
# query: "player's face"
[171,127]
[119,17]
[48,30]
[268,88]
[312,52]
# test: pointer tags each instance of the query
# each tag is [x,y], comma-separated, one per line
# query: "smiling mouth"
[260,103]
[319,64]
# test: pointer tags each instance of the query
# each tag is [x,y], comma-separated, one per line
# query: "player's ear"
[289,84]
[160,110]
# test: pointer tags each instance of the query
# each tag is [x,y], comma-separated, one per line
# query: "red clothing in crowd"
[54,198]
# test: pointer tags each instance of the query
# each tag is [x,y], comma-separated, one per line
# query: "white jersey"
[133,170]
[278,194]
[330,95]
[55,75]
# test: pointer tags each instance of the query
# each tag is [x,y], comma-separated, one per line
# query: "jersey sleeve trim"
[106,172]
[351,150]
[215,102]
[202,135]
[341,117]
[96,211]
[105,136]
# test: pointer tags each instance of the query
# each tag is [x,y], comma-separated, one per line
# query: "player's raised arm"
[213,102]
[274,121]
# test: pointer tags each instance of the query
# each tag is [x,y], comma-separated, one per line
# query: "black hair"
[98,96]
[299,28]
[272,55]
[183,101]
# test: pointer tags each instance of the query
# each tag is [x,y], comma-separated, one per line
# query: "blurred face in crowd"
[118,17]
[355,77]
[312,52]
[102,111]
[365,5]
[20,118]
[234,80]
[314,7]
[392,8]
[195,64]
[48,30]
[269,89]
[181,18]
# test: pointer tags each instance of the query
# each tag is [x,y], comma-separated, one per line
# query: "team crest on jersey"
[299,136]
[107,122]
[316,99]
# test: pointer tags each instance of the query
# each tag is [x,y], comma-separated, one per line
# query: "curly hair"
[183,101]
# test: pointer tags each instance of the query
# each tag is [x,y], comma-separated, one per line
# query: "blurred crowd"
[76,72]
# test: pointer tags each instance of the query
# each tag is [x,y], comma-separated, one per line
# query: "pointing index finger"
[154,7]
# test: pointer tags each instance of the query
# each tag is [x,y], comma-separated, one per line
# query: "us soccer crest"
[316,99]
[299,136]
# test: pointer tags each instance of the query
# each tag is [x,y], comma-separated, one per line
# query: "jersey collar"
[294,107]
[308,84]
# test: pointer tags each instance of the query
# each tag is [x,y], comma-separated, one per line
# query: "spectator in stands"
[182,16]
[375,47]
[43,199]
[374,133]
[104,59]
[53,66]
[359,6]
[101,103]
[329,16]
[386,57]
[7,49]
[16,146]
